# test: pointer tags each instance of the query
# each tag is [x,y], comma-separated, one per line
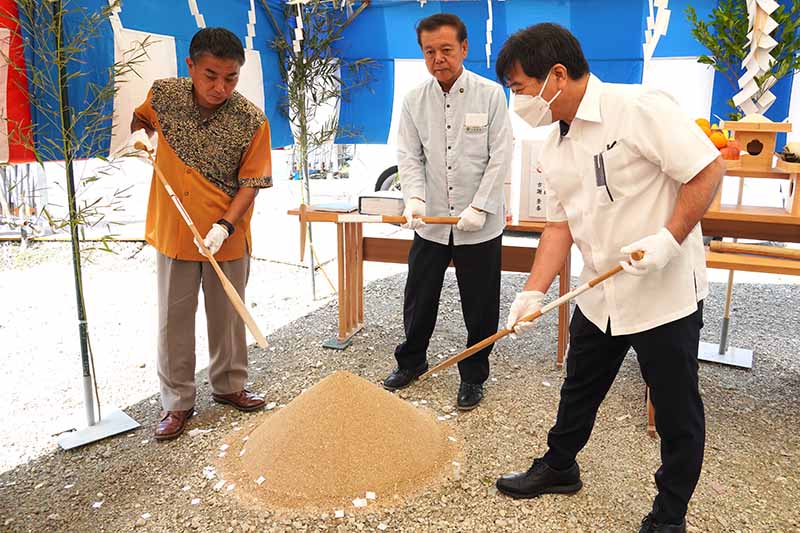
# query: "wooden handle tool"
[472,350]
[227,286]
[754,249]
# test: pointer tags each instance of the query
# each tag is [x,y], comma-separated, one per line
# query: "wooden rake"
[472,350]
[227,286]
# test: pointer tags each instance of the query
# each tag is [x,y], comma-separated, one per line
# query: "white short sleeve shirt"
[614,178]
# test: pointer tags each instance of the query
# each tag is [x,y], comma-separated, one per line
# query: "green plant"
[312,81]
[66,131]
[724,35]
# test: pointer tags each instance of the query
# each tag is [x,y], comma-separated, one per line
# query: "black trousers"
[668,361]
[478,274]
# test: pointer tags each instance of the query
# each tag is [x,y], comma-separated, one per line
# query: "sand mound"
[340,439]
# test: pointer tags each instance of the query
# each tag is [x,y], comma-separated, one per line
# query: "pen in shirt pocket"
[601,178]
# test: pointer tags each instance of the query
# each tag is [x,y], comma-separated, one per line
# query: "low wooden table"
[353,249]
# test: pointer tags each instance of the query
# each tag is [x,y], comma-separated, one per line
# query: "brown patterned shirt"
[206,161]
[214,145]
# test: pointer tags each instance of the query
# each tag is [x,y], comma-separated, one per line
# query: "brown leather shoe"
[172,424]
[243,400]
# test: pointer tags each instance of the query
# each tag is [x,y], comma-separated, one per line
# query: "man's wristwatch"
[227,225]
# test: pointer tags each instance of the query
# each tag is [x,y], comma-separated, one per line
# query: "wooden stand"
[349,246]
[353,249]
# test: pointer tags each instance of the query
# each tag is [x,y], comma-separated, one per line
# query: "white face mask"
[535,110]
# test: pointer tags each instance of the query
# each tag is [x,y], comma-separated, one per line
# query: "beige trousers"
[178,287]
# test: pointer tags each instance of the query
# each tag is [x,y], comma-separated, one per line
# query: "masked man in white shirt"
[454,151]
[625,170]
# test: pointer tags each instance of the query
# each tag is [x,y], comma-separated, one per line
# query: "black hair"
[434,22]
[218,42]
[538,48]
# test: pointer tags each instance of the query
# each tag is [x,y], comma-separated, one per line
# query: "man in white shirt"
[454,151]
[626,170]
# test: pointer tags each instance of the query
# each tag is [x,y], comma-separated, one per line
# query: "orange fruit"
[706,130]
[719,139]
[703,123]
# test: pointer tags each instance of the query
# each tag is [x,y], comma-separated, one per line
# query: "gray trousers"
[178,287]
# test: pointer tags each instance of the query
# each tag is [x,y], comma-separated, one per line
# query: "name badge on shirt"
[475,122]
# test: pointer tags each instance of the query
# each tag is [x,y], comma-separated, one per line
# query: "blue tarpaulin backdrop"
[611,34]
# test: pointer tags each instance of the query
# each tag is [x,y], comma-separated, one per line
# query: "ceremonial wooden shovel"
[472,350]
[230,290]
[351,217]
[396,219]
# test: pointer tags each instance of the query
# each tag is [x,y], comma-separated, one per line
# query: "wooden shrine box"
[758,140]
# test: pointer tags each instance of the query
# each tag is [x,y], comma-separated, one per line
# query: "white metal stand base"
[112,423]
[740,357]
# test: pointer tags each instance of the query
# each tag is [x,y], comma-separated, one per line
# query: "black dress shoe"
[649,525]
[540,479]
[401,378]
[469,396]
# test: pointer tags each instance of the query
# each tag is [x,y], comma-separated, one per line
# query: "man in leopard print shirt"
[214,149]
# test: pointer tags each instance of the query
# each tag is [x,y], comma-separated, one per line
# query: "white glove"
[414,208]
[138,136]
[658,249]
[471,219]
[525,303]
[214,239]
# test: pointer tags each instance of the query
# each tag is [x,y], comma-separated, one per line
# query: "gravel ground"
[751,476]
